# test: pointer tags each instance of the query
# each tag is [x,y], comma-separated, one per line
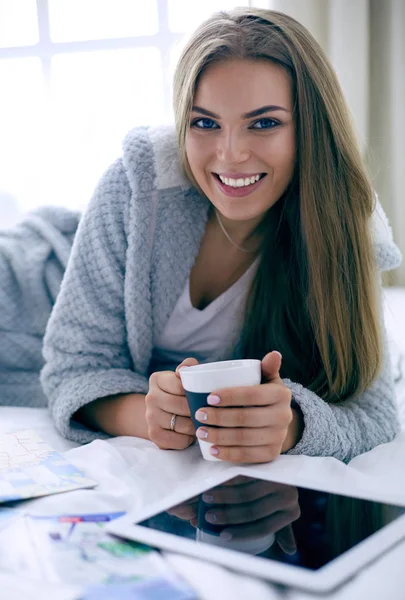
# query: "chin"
[239,213]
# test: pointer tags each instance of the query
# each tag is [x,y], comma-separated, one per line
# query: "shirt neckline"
[222,298]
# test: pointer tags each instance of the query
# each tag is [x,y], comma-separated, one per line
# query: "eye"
[204,123]
[265,123]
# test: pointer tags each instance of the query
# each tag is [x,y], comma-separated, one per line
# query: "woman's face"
[240,143]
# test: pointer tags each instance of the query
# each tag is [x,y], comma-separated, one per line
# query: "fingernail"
[200,415]
[211,517]
[214,450]
[202,434]
[279,353]
[212,399]
[208,498]
[226,535]
[287,549]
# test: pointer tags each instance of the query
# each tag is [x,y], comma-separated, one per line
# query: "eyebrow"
[254,113]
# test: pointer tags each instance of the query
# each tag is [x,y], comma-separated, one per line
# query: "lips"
[238,192]
[236,176]
[239,175]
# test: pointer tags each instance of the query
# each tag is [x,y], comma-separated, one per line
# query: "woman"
[265,244]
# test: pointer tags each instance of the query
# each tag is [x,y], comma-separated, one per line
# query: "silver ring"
[173,422]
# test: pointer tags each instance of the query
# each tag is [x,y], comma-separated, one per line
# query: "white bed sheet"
[132,472]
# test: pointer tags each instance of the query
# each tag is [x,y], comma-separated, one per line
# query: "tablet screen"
[285,523]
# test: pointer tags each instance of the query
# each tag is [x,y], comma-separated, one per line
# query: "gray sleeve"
[344,430]
[33,257]
[85,346]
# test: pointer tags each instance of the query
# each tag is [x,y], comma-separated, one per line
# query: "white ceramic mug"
[200,380]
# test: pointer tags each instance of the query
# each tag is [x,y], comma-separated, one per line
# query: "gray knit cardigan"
[33,258]
[131,257]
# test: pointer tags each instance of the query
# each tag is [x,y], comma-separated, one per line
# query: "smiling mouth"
[240,181]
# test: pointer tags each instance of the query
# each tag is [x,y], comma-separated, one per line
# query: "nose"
[232,148]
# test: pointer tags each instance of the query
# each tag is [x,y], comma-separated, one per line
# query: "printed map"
[29,468]
[77,550]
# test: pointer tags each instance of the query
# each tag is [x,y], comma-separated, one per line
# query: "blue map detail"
[68,477]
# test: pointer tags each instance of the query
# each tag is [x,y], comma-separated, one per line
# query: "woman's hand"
[250,508]
[164,400]
[255,423]
[187,511]
[245,509]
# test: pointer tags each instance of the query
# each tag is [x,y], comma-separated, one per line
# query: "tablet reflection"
[289,524]
[243,514]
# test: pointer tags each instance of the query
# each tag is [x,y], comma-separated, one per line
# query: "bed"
[132,472]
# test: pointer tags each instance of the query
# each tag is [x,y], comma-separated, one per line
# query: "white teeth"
[240,182]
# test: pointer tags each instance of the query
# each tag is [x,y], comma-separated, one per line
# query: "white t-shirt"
[203,334]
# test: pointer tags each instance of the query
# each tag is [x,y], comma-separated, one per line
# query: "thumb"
[187,362]
[271,365]
[286,540]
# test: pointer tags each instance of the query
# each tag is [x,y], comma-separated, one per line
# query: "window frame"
[45,49]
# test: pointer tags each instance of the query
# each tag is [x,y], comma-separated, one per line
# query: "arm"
[85,346]
[116,415]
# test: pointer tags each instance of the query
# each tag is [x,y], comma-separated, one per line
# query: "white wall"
[365,41]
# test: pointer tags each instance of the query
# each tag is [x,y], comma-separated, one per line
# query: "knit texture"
[131,257]
[33,258]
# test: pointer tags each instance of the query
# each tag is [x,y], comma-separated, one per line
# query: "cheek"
[281,155]
[287,151]
[198,153]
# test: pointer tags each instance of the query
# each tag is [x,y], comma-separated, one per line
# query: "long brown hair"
[315,295]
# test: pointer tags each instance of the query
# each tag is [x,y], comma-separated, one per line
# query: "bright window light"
[64,111]
[18,23]
[22,141]
[184,15]
[96,98]
[77,20]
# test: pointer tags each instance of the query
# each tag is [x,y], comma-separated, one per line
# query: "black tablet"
[307,538]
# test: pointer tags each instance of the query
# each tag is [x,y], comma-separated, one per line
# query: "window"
[76,75]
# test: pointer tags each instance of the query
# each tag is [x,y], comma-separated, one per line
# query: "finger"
[238,480]
[187,362]
[246,513]
[275,523]
[240,494]
[271,365]
[247,454]
[256,395]
[166,381]
[169,440]
[286,540]
[174,405]
[186,512]
[244,417]
[182,425]
[287,493]
[277,505]
[239,436]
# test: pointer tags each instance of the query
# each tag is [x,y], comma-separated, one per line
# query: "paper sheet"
[150,589]
[30,468]
[77,551]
